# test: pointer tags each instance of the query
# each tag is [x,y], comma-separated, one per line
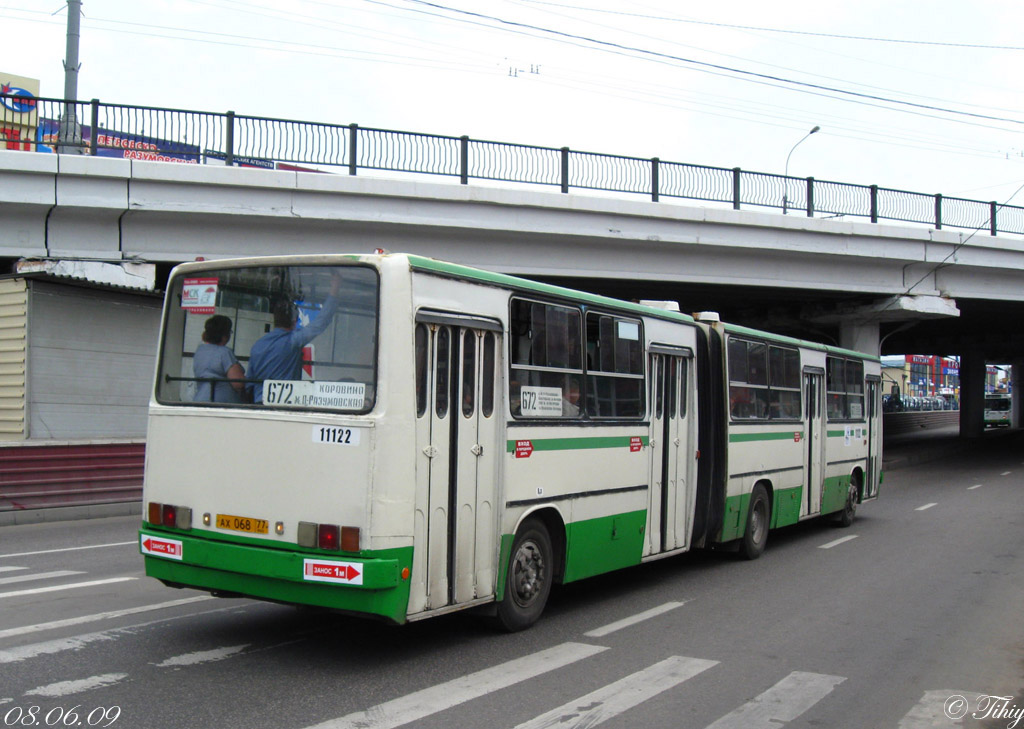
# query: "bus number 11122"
[335,436]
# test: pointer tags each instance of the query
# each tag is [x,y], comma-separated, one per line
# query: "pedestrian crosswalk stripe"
[457,691]
[784,701]
[38,576]
[611,700]
[633,620]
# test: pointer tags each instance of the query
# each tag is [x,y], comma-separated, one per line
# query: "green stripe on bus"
[746,437]
[577,444]
[595,546]
[276,574]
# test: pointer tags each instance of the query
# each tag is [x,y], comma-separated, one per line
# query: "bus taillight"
[169,515]
[328,536]
[350,539]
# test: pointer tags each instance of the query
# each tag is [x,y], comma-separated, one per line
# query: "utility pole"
[70,135]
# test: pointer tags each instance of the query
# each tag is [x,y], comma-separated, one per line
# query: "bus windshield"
[271,337]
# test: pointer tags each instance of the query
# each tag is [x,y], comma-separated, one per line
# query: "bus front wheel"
[758,518]
[845,517]
[528,581]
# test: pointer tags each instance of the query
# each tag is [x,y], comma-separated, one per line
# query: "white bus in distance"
[457,438]
[997,410]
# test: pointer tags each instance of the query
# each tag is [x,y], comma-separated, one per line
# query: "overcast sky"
[913,95]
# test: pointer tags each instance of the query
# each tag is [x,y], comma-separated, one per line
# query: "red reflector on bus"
[169,515]
[328,536]
[350,539]
[156,512]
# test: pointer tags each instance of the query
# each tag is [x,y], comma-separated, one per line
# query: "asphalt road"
[879,625]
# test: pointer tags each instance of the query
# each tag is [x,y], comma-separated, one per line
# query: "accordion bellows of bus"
[397,437]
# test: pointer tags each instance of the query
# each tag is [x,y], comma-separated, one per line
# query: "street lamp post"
[785,193]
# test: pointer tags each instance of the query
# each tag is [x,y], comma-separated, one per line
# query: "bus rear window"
[271,337]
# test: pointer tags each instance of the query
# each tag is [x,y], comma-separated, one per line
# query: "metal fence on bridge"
[177,135]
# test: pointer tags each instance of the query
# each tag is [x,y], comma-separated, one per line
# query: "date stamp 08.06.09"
[59,716]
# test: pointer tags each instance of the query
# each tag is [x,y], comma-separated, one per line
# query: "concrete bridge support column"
[862,336]
[972,394]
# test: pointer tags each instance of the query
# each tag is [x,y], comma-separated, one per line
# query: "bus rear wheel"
[528,579]
[758,519]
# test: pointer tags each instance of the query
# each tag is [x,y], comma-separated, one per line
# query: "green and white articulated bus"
[454,438]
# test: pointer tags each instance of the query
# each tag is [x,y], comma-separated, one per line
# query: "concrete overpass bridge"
[882,288]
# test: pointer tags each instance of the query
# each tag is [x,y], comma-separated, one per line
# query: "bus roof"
[459,271]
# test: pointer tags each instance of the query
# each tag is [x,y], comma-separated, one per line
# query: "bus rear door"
[669,505]
[457,462]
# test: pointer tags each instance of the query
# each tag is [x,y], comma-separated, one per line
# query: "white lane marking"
[59,645]
[837,542]
[975,486]
[192,659]
[1006,473]
[930,711]
[55,588]
[12,569]
[633,620]
[611,700]
[67,549]
[67,688]
[53,625]
[443,696]
[783,702]
[927,506]
[38,576]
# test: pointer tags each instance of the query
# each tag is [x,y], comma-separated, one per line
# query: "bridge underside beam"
[860,326]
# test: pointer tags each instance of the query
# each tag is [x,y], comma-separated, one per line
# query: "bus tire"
[755,537]
[528,579]
[845,516]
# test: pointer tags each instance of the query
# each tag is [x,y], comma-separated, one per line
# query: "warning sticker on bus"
[343,573]
[161,547]
[306,394]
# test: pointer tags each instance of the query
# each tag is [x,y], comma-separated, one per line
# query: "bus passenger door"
[457,433]
[814,432]
[874,439]
[669,500]
[475,463]
[657,492]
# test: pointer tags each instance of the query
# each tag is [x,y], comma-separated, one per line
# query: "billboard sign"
[122,145]
[18,112]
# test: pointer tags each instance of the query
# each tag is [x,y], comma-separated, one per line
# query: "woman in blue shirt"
[218,374]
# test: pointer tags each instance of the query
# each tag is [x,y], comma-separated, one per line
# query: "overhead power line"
[764,29]
[702,64]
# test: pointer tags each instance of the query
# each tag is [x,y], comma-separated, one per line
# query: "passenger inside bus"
[219,376]
[277,355]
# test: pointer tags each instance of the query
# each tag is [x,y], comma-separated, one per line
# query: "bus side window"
[487,394]
[422,339]
[443,368]
[682,387]
[468,373]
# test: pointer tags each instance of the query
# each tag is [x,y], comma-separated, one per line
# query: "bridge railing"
[184,136]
